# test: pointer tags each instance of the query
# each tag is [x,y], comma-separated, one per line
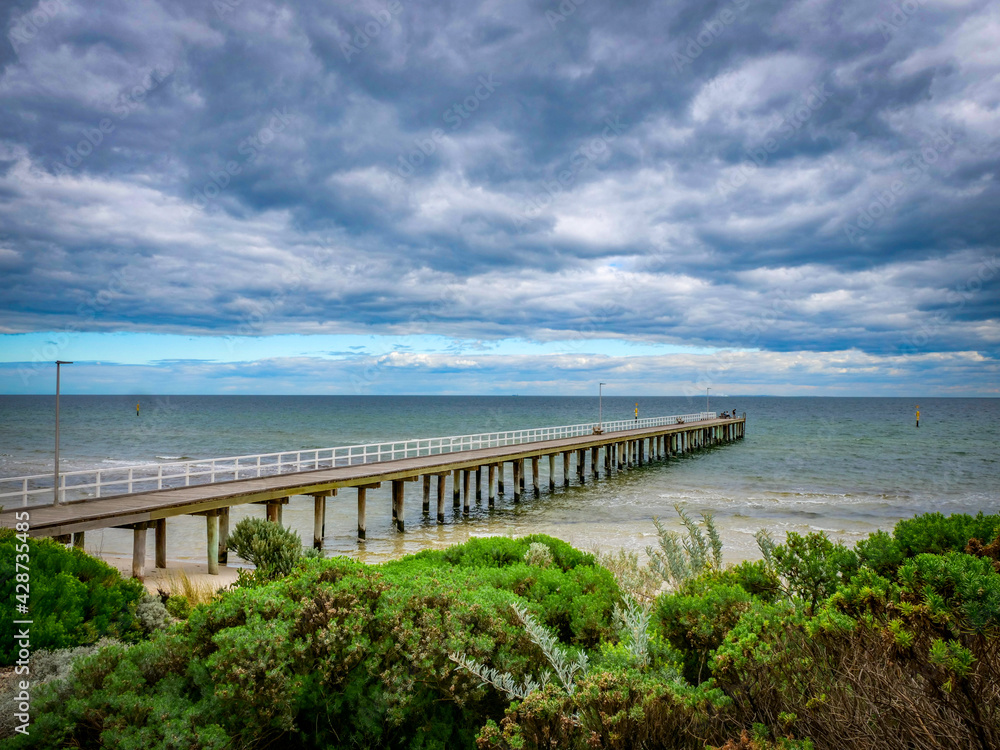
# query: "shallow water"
[846,466]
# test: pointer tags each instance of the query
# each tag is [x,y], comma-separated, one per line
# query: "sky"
[527,196]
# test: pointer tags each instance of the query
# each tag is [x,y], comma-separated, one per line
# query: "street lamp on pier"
[55,488]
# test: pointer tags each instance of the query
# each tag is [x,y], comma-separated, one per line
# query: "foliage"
[815,646]
[270,547]
[638,580]
[74,599]
[565,666]
[178,606]
[812,566]
[538,554]
[614,710]
[46,666]
[678,558]
[339,654]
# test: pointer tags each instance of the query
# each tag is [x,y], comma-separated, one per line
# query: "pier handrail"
[123,480]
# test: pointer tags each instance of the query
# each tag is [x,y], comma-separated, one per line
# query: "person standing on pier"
[637,411]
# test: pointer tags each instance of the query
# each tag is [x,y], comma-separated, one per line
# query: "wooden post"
[500,478]
[479,483]
[212,521]
[223,536]
[274,511]
[160,540]
[427,493]
[456,488]
[581,464]
[552,472]
[490,476]
[517,481]
[465,494]
[362,491]
[319,516]
[642,450]
[442,481]
[595,462]
[78,539]
[398,491]
[607,459]
[139,552]
[534,475]
[565,468]
[521,474]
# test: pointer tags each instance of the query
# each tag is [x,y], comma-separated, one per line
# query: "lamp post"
[600,406]
[55,490]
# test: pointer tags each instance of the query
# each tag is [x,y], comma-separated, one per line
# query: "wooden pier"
[141,511]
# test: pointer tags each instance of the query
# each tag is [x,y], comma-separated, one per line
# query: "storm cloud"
[774,179]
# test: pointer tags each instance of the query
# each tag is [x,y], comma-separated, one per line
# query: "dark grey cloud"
[739,173]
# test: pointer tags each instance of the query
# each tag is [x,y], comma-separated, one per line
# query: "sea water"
[846,466]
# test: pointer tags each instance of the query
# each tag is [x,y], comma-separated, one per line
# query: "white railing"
[91,483]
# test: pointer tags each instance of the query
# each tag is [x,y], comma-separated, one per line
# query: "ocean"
[846,466]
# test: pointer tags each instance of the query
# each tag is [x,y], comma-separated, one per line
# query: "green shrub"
[937,533]
[336,654]
[178,606]
[74,599]
[270,547]
[812,566]
[614,710]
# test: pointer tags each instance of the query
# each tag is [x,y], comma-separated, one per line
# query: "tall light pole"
[600,406]
[706,399]
[55,490]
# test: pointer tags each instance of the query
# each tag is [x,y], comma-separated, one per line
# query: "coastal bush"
[814,646]
[337,653]
[270,547]
[74,598]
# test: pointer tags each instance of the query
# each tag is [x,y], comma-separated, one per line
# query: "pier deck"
[150,509]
